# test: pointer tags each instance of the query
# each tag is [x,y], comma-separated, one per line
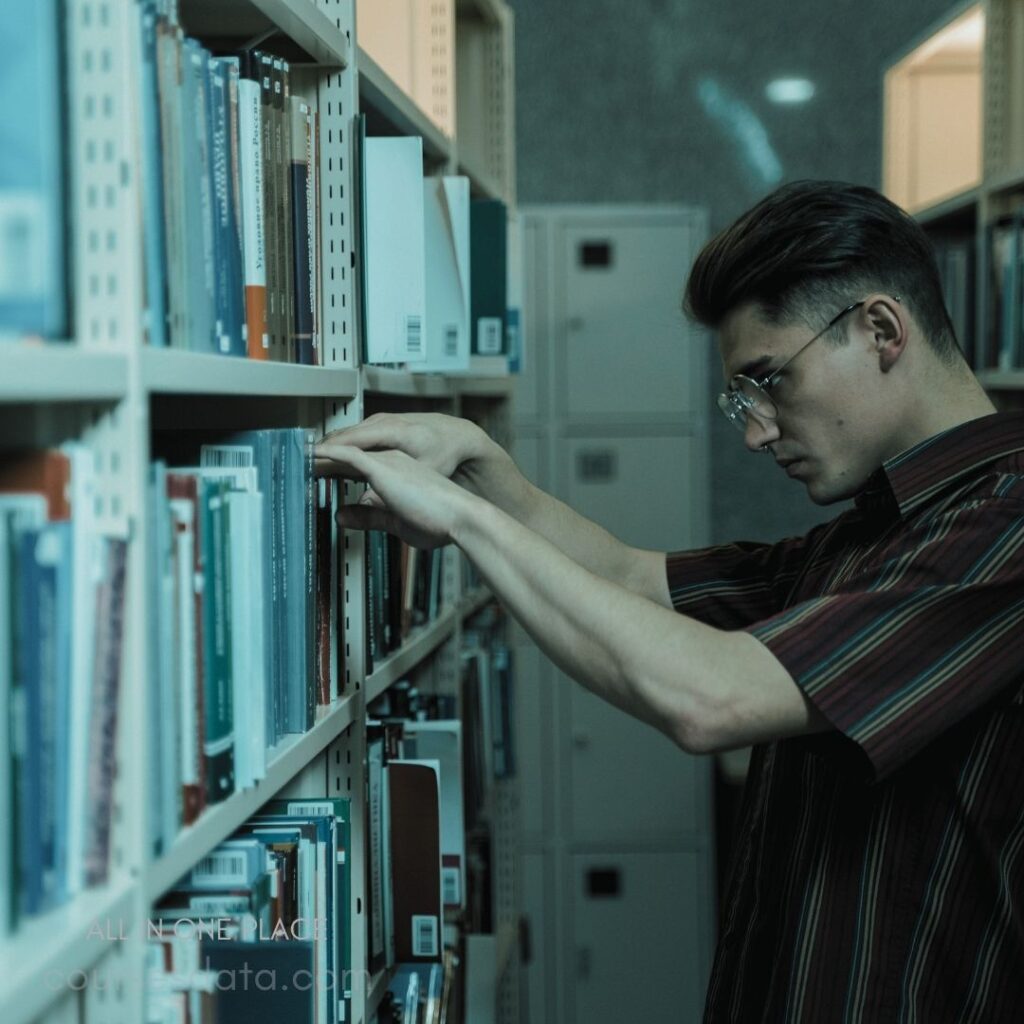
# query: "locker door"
[627,783]
[640,937]
[628,349]
[644,490]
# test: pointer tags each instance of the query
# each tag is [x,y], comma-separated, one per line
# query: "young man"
[877,663]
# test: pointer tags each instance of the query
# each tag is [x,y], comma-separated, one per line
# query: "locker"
[618,975]
[625,347]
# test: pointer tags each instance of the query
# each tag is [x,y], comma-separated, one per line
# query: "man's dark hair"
[811,248]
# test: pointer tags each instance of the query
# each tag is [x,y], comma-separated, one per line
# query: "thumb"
[363,517]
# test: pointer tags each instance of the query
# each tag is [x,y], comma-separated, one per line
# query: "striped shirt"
[879,874]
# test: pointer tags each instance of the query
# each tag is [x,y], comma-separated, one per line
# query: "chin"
[824,492]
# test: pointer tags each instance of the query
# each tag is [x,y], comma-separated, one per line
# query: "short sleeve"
[912,642]
[732,586]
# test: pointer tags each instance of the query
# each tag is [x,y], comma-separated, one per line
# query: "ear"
[887,321]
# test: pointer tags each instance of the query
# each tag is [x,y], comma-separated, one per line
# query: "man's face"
[831,430]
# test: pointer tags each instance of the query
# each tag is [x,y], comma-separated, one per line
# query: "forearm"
[495,477]
[645,659]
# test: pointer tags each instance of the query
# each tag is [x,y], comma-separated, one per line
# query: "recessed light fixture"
[790,90]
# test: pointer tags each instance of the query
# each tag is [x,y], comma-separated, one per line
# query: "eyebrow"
[755,368]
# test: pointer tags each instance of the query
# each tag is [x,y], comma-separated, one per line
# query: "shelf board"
[379,380]
[1001,380]
[285,761]
[60,372]
[484,387]
[962,207]
[375,993]
[411,653]
[314,34]
[378,94]
[44,957]
[167,371]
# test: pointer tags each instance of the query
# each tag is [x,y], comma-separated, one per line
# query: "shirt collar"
[916,475]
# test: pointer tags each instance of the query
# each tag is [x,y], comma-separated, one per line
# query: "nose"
[760,432]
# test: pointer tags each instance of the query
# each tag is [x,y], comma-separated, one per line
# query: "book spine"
[251,161]
[264,65]
[282,160]
[155,315]
[109,644]
[300,212]
[219,738]
[215,85]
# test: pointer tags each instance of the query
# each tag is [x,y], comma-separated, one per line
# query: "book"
[488,276]
[104,712]
[34,275]
[394,250]
[300,159]
[250,151]
[414,843]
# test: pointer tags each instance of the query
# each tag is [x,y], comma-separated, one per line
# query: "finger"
[369,434]
[363,517]
[330,467]
[346,461]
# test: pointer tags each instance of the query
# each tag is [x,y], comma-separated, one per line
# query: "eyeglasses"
[748,397]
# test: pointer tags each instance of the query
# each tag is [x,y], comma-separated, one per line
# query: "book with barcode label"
[446,238]
[440,740]
[415,845]
[394,252]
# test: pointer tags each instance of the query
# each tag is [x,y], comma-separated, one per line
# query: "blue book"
[33,269]
[155,312]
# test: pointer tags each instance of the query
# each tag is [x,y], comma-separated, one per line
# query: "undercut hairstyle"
[811,248]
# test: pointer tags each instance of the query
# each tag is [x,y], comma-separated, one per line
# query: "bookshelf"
[105,388]
[970,200]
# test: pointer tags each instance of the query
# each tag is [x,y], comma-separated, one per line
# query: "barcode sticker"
[450,888]
[414,334]
[451,340]
[424,935]
[228,456]
[220,866]
[489,331]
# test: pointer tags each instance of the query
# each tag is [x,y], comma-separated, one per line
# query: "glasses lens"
[745,397]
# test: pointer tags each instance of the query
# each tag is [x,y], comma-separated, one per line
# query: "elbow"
[693,733]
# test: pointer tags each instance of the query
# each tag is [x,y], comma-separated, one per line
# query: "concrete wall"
[625,101]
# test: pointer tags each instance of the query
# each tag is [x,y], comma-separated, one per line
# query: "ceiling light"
[790,90]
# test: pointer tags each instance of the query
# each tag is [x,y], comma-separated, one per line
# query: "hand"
[445,444]
[409,499]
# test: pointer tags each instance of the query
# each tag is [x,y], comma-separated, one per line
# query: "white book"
[183,524]
[395,260]
[446,235]
[250,148]
[86,573]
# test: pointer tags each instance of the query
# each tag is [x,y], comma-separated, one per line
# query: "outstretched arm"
[707,689]
[460,450]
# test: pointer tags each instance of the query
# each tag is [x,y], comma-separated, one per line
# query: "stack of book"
[433,281]
[241,648]
[228,162]
[404,592]
[271,907]
[62,594]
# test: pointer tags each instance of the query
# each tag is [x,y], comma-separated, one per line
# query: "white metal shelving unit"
[84,962]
